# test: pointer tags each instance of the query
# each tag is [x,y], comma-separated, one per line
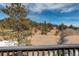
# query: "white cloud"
[65,10]
[39,7]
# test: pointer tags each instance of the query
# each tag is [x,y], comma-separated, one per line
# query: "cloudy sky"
[54,13]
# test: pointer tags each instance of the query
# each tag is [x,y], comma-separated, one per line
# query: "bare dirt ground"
[50,38]
[73,39]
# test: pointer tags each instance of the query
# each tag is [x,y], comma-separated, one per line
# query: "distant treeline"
[27,24]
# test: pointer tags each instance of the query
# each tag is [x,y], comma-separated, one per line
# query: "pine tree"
[16,11]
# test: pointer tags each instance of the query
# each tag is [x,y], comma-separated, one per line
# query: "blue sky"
[54,13]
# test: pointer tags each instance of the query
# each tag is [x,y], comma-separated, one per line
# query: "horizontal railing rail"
[42,50]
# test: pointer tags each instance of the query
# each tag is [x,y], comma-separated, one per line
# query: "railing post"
[38,53]
[19,53]
[27,53]
[63,52]
[68,52]
[43,53]
[2,53]
[53,52]
[58,52]
[13,52]
[7,53]
[32,53]
[73,52]
[78,52]
[48,53]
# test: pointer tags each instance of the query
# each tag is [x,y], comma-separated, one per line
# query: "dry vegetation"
[27,32]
